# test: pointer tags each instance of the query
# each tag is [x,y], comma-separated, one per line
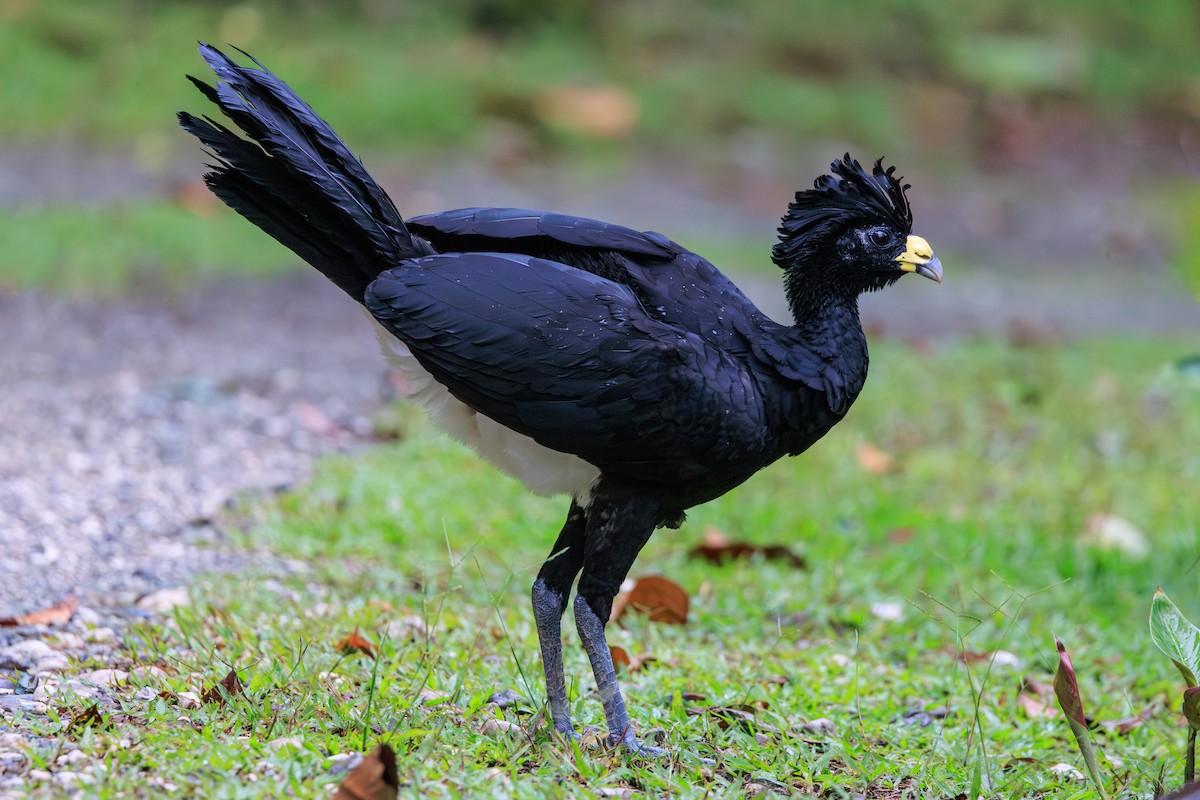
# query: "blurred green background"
[1037,136]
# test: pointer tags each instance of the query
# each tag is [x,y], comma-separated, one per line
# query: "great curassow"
[581,357]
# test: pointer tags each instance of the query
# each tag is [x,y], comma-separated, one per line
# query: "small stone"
[87,616]
[99,635]
[105,677]
[71,779]
[1003,658]
[39,776]
[493,727]
[72,757]
[148,673]
[45,691]
[286,743]
[52,662]
[507,698]
[65,640]
[344,762]
[1067,772]
[11,762]
[165,599]
[408,629]
[12,741]
[820,726]
[432,697]
[24,655]
[888,612]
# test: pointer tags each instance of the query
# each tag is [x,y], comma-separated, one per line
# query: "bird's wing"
[574,361]
[451,230]
[673,284]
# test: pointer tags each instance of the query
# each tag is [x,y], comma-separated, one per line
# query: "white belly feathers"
[542,470]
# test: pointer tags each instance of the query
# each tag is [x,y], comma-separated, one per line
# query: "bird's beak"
[918,257]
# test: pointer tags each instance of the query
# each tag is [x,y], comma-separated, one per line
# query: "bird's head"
[850,233]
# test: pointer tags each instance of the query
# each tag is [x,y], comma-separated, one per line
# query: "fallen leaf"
[874,460]
[605,112]
[727,716]
[901,535]
[375,778]
[492,727]
[228,687]
[86,718]
[718,548]
[1035,707]
[195,197]
[622,660]
[355,643]
[313,419]
[1126,724]
[58,614]
[660,599]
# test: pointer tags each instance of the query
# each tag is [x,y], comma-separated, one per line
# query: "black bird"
[584,358]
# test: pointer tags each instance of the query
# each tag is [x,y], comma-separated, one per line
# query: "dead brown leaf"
[660,599]
[1035,707]
[313,419]
[356,644]
[622,660]
[718,548]
[375,778]
[620,657]
[725,717]
[874,459]
[1126,724]
[58,614]
[88,717]
[229,686]
[604,112]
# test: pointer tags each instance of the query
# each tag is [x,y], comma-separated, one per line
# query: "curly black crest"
[849,195]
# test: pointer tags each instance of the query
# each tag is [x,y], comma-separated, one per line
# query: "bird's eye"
[880,237]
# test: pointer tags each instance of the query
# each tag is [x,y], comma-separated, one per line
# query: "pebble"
[492,727]
[164,600]
[51,662]
[507,698]
[105,677]
[408,629]
[820,726]
[24,654]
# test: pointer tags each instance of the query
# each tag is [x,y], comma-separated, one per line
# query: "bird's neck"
[824,311]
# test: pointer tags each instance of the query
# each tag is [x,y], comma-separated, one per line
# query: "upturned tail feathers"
[296,179]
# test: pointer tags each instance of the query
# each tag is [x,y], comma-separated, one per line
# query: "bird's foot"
[633,747]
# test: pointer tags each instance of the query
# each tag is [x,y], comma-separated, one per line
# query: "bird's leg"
[550,593]
[619,525]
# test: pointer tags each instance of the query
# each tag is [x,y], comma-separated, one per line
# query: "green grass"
[1002,455]
[421,76]
[110,249]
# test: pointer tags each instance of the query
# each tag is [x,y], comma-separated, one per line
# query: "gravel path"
[125,428]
